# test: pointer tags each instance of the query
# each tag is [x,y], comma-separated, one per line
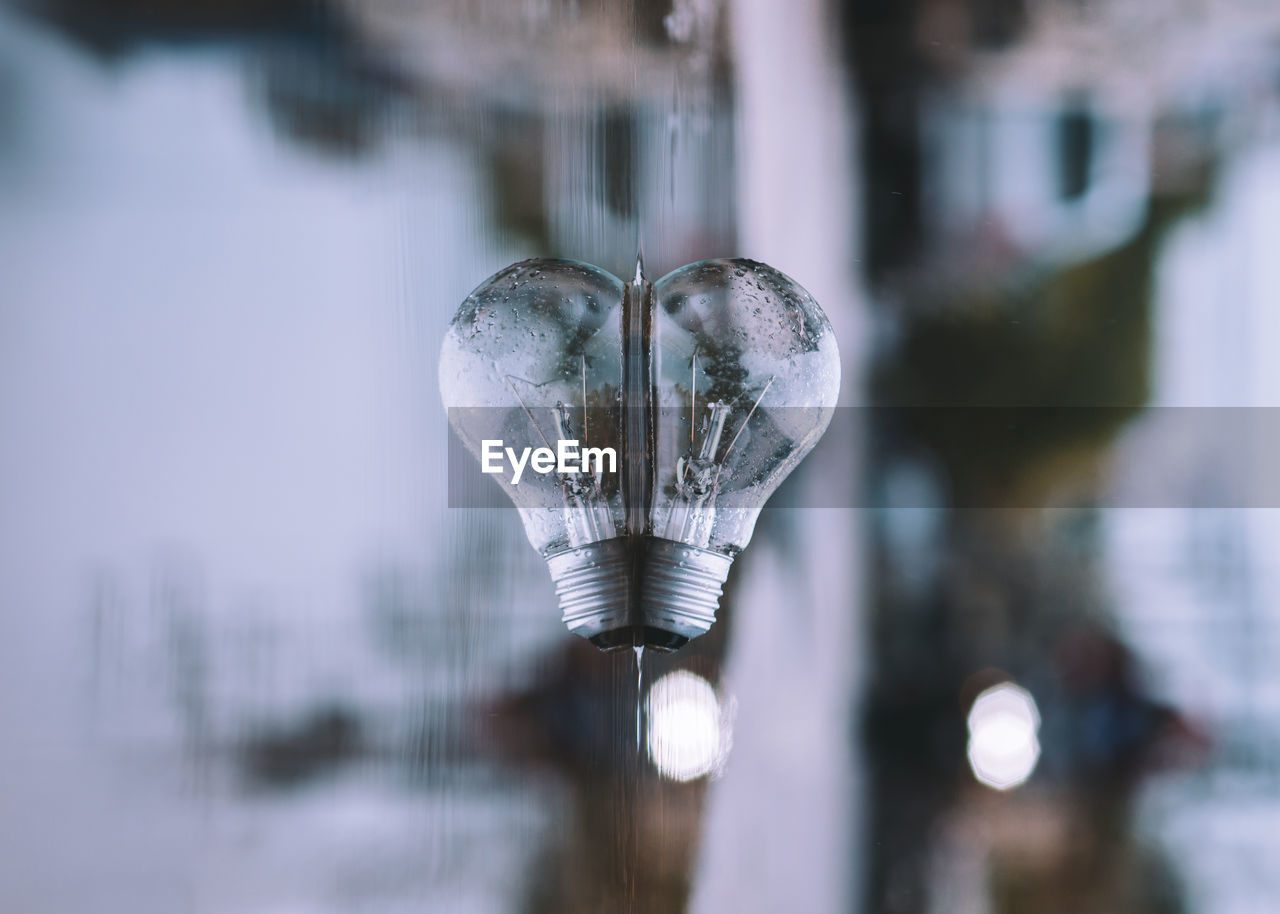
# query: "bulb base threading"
[639,590]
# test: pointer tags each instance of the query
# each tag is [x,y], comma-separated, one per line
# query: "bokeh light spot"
[686,739]
[1004,744]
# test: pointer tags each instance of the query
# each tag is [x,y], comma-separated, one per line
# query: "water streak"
[639,649]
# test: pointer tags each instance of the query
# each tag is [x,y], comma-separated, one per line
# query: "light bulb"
[708,386]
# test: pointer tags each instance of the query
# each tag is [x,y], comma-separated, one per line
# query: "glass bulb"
[708,386]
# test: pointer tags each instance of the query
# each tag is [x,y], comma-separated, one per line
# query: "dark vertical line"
[639,401]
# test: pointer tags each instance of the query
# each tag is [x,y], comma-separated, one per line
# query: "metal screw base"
[639,590]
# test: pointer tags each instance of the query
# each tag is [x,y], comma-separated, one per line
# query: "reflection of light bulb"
[710,385]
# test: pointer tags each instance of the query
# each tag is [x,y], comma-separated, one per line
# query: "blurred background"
[1006,645]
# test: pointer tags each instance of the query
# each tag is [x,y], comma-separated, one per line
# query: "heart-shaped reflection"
[708,387]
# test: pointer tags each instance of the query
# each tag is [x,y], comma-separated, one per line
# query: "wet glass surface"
[1004,644]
